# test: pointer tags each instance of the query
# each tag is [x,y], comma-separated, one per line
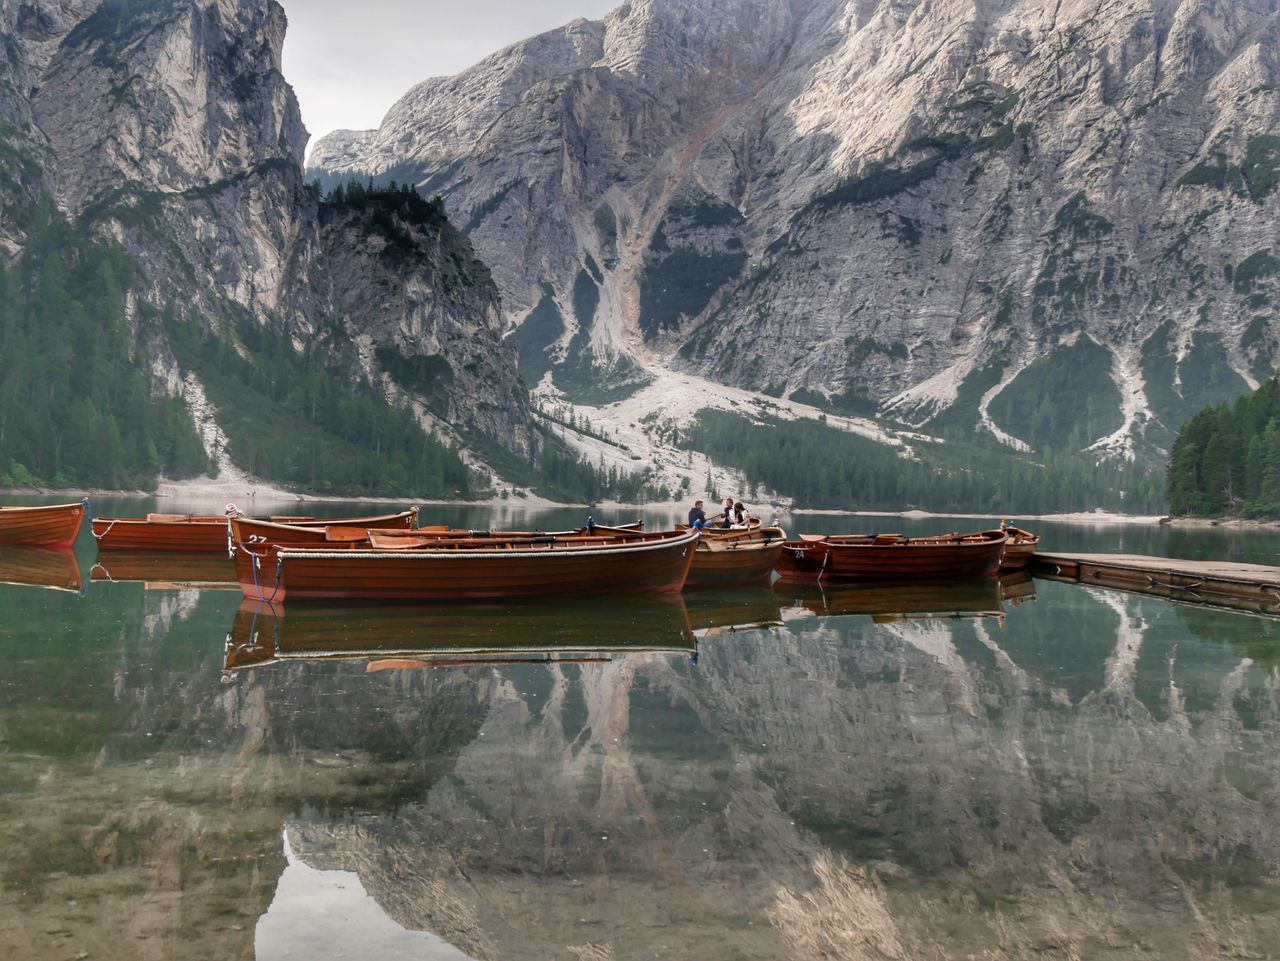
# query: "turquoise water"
[1035,770]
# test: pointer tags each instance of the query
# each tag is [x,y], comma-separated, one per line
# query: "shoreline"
[226,492]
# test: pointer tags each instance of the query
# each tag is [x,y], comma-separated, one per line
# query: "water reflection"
[1097,775]
[40,567]
[318,915]
[166,571]
[980,597]
[1253,597]
[713,613]
[397,636]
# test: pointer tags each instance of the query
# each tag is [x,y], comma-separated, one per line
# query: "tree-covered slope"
[76,404]
[350,344]
[1226,460]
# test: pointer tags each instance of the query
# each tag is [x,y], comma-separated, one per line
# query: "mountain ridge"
[167,126]
[890,208]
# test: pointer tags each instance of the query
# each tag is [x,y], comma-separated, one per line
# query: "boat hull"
[55,526]
[652,564]
[908,559]
[803,560]
[1018,557]
[1020,550]
[195,533]
[738,562]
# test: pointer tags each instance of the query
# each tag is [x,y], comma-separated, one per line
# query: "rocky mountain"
[167,125]
[1050,219]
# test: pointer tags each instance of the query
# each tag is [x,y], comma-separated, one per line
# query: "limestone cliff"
[949,210]
[168,124]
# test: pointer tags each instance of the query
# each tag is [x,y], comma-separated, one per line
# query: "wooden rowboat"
[746,559]
[805,559]
[208,532]
[446,568]
[53,526]
[887,557]
[347,534]
[594,528]
[1020,549]
[40,567]
[712,530]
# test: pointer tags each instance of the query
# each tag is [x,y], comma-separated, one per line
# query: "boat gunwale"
[212,520]
[486,552]
[41,507]
[982,539]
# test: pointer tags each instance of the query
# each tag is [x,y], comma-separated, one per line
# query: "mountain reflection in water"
[848,773]
[321,915]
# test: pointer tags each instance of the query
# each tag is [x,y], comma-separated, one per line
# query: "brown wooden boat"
[711,530]
[805,559]
[471,568]
[593,528]
[258,532]
[53,526]
[41,567]
[168,570]
[746,559]
[887,557]
[192,533]
[1020,549]
[412,636]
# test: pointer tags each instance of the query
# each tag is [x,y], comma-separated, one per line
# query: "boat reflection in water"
[937,600]
[50,568]
[1017,587]
[167,571]
[715,613]
[393,637]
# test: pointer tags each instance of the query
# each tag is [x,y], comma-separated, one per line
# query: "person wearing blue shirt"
[697,516]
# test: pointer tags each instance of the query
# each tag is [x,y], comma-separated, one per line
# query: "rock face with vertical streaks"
[168,124]
[943,212]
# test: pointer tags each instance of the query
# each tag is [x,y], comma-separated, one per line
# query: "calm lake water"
[1030,770]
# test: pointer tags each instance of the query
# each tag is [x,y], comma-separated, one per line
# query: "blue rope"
[254,566]
[256,585]
[279,569]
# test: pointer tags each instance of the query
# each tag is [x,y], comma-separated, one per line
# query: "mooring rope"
[106,532]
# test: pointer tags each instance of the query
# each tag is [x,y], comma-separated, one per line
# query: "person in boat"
[740,516]
[697,516]
[726,515]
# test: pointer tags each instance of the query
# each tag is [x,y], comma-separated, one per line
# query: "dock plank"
[1222,570]
[1252,587]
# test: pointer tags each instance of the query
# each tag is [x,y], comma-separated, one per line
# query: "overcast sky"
[350,62]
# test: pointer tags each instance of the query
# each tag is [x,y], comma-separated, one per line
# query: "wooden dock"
[1245,587]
